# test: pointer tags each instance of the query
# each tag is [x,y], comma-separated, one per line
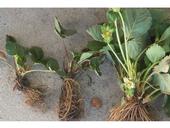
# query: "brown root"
[70,103]
[33,96]
[132,110]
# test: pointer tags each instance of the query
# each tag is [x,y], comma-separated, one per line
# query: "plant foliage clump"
[136,43]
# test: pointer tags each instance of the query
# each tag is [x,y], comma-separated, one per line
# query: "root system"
[132,110]
[33,96]
[70,104]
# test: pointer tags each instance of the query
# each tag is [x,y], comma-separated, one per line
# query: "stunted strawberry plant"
[24,58]
[136,41]
[70,104]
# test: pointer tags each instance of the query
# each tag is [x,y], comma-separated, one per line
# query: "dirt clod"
[96,102]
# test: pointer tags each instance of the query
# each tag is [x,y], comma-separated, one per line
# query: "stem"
[123,24]
[16,65]
[128,61]
[149,69]
[138,57]
[150,85]
[117,58]
[43,71]
[156,90]
[118,39]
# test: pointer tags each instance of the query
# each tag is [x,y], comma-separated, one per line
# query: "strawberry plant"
[70,99]
[23,59]
[136,43]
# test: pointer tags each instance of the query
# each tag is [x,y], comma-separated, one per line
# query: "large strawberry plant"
[136,41]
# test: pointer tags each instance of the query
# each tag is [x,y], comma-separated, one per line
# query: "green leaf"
[111,16]
[137,22]
[165,40]
[147,61]
[134,48]
[165,35]
[85,56]
[166,105]
[52,64]
[37,54]
[95,32]
[163,65]
[11,45]
[155,53]
[95,45]
[95,63]
[163,81]
[21,51]
[61,73]
[161,21]
[61,31]
[21,60]
[76,56]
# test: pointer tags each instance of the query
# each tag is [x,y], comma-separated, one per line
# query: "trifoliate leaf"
[155,53]
[37,54]
[11,45]
[163,65]
[61,31]
[95,32]
[95,45]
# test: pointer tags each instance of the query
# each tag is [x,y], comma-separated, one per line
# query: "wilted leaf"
[95,45]
[95,32]
[155,53]
[138,22]
[85,56]
[61,31]
[163,65]
[52,64]
[37,54]
[11,45]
